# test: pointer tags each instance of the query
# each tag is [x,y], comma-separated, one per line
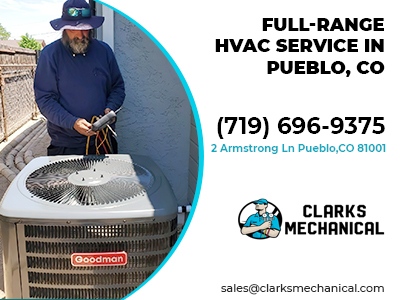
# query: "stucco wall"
[155,119]
[193,160]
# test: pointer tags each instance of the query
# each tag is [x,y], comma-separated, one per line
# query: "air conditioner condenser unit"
[85,226]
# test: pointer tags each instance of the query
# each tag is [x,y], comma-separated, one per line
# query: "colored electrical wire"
[99,141]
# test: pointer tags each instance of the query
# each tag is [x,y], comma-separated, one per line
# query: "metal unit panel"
[11,269]
[45,251]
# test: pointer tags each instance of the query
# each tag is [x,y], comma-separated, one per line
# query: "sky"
[31,16]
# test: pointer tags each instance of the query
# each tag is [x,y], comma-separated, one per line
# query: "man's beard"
[77,45]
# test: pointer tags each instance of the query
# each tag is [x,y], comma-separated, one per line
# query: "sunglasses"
[76,12]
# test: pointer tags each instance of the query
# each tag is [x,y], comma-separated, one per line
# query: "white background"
[213,252]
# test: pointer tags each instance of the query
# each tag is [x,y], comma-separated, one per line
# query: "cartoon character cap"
[261,201]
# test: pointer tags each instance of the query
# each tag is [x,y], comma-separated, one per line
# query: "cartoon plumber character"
[262,224]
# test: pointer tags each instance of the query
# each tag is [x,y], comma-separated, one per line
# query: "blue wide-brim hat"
[76,12]
[261,201]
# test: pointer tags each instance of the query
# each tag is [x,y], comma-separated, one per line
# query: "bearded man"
[77,79]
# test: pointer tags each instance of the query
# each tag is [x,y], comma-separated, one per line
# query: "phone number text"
[298,125]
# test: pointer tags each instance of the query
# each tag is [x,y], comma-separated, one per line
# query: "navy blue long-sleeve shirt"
[68,87]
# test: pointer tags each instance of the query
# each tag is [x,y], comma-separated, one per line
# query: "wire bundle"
[102,142]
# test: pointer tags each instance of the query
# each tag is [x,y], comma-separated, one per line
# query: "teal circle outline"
[199,137]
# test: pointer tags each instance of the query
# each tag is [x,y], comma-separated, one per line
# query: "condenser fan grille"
[89,180]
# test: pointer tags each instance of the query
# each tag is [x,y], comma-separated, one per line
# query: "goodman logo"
[99,259]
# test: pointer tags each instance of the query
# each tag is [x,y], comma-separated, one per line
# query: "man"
[262,224]
[77,80]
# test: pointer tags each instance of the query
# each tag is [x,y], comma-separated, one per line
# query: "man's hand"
[265,225]
[83,127]
[107,110]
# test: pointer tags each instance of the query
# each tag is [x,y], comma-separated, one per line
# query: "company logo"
[260,219]
[335,219]
[99,259]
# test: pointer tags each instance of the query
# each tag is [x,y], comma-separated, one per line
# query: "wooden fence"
[17,99]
